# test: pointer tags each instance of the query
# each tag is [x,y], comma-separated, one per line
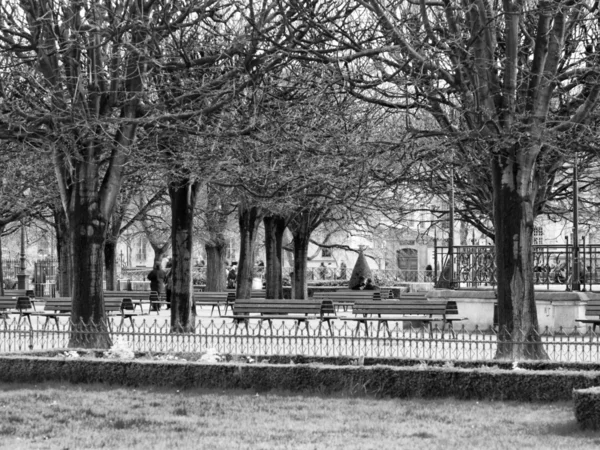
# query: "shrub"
[361,269]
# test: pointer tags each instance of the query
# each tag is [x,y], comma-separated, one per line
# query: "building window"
[408,262]
[326,253]
[140,248]
[538,235]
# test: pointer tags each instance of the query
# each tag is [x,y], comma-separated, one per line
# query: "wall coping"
[490,294]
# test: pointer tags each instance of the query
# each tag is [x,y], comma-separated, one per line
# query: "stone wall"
[555,309]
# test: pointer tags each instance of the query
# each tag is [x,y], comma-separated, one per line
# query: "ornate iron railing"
[475,266]
[284,339]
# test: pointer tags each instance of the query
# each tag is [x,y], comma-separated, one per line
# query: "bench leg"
[305,326]
[385,326]
[324,319]
[364,322]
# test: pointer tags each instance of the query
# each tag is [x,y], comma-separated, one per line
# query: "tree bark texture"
[518,336]
[216,244]
[301,241]
[110,265]
[63,250]
[249,220]
[215,266]
[274,228]
[87,229]
[301,225]
[183,200]
[1,269]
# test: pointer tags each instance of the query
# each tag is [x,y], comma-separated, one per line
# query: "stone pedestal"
[22,281]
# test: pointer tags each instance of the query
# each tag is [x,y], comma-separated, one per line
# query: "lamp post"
[22,276]
[575,282]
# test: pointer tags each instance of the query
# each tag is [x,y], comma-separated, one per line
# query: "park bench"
[383,311]
[63,307]
[133,298]
[215,300]
[592,309]
[156,301]
[415,296]
[15,305]
[347,297]
[300,311]
[21,293]
[386,293]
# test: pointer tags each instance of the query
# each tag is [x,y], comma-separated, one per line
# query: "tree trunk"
[183,200]
[301,241]
[110,251]
[159,254]
[1,268]
[87,232]
[249,220]
[216,244]
[110,266]
[274,229]
[216,277]
[63,252]
[518,336]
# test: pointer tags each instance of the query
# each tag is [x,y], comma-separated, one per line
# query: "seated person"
[369,286]
[361,284]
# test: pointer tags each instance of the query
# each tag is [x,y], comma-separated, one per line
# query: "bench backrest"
[134,295]
[19,293]
[414,296]
[592,308]
[268,306]
[58,304]
[19,303]
[7,302]
[347,296]
[65,304]
[433,307]
[214,297]
[385,293]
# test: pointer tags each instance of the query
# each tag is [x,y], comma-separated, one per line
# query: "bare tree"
[512,85]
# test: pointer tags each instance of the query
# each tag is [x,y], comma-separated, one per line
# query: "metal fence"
[283,338]
[472,266]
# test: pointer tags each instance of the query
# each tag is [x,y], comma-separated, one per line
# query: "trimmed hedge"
[317,378]
[587,407]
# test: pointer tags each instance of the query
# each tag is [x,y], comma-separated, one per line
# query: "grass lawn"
[53,416]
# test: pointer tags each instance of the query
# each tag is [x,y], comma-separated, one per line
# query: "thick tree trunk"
[110,265]
[249,220]
[301,241]
[160,253]
[87,232]
[274,229]
[183,200]
[216,244]
[518,336]
[63,252]
[110,252]
[1,269]
[215,265]
[65,266]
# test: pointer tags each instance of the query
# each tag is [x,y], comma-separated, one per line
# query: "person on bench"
[360,285]
[369,286]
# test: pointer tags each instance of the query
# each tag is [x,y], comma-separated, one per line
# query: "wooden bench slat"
[592,308]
